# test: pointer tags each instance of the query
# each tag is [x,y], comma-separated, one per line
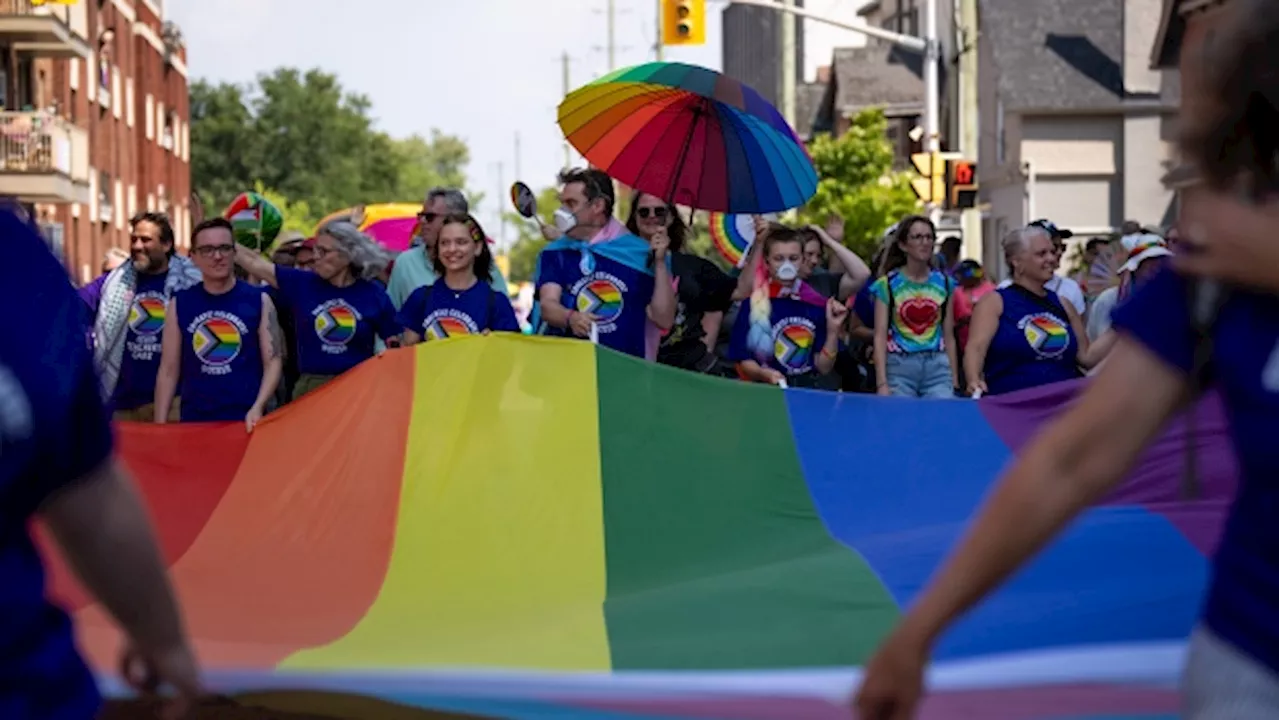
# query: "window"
[128,102]
[106,204]
[149,117]
[167,133]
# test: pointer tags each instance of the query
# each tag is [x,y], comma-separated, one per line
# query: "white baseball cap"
[1140,247]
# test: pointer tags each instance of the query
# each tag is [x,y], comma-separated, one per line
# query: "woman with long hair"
[1165,356]
[914,320]
[339,310]
[703,292]
[790,333]
[461,301]
[1024,335]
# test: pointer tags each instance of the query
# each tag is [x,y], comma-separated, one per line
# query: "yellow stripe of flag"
[499,555]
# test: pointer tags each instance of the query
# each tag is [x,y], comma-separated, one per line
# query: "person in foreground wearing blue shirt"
[339,311]
[222,342]
[1162,358]
[56,445]
[459,302]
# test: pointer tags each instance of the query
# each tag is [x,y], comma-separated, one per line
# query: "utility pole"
[502,217]
[787,88]
[611,11]
[564,66]
[657,31]
[518,176]
[971,218]
[932,56]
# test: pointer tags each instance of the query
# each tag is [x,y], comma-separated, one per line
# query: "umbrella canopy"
[691,136]
[391,225]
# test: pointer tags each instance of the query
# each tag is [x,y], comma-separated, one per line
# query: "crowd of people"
[230,333]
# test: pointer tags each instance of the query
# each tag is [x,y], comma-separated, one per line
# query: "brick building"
[94,121]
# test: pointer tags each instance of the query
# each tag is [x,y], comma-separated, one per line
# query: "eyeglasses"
[215,250]
[658,213]
[428,217]
[926,238]
[322,251]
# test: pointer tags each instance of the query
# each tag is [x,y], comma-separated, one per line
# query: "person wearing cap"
[973,285]
[285,251]
[1143,253]
[1064,287]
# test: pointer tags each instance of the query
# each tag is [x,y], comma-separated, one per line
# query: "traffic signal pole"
[927,45]
[932,57]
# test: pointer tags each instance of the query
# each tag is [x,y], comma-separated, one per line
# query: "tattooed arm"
[271,340]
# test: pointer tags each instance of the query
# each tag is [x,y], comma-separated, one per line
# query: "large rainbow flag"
[540,528]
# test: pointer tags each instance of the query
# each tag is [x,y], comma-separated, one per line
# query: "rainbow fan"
[732,235]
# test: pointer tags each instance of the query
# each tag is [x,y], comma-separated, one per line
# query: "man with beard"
[128,308]
[413,268]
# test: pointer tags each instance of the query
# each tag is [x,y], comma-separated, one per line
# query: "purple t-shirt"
[53,432]
[1241,607]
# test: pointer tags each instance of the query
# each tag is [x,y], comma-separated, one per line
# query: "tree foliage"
[856,181]
[312,144]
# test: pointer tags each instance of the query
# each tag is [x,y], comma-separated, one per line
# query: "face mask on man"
[788,271]
[564,219]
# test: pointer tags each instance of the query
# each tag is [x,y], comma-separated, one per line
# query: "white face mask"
[788,271]
[564,219]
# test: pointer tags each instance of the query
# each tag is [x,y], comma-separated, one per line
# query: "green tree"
[424,164]
[302,135]
[856,181]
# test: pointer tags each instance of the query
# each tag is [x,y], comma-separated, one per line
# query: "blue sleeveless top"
[221,357]
[1033,345]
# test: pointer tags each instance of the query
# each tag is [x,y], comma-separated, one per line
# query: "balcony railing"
[49,29]
[42,145]
[34,142]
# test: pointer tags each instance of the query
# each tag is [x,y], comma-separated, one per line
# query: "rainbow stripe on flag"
[534,527]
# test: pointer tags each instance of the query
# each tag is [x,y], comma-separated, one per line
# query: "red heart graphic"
[918,314]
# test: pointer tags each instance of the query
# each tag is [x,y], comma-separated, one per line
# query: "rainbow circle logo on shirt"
[1047,335]
[444,324]
[146,314]
[216,341]
[336,323]
[601,297]
[793,340]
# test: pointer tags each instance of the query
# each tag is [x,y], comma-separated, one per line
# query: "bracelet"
[827,353]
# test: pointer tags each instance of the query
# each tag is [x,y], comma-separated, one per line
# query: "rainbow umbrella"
[392,225]
[691,136]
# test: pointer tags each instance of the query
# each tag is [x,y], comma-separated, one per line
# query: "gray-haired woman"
[339,309]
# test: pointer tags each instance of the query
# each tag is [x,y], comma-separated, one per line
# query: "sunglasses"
[214,250]
[428,217]
[658,213]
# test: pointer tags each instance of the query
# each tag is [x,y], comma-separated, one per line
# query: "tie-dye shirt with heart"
[917,310]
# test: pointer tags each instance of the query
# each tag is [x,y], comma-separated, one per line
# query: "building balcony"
[45,30]
[43,158]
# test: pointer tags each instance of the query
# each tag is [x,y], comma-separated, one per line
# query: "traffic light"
[931,186]
[684,22]
[962,184]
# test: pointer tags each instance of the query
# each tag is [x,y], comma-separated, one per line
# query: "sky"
[483,70]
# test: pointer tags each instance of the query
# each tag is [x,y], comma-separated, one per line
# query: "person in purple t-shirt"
[56,464]
[1166,354]
[128,308]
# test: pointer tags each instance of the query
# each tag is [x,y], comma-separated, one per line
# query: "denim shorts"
[919,375]
[1222,683]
